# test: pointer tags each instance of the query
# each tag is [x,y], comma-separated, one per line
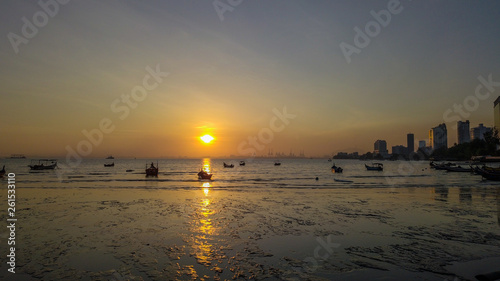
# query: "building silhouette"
[438,137]
[479,131]
[380,147]
[463,131]
[410,143]
[496,113]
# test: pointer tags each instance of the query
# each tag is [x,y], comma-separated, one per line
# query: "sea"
[303,173]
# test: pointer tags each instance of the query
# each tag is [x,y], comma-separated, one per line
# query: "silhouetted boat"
[375,167]
[339,180]
[242,163]
[2,172]
[110,157]
[336,169]
[228,166]
[489,175]
[17,156]
[109,165]
[203,175]
[458,169]
[43,164]
[152,170]
[277,163]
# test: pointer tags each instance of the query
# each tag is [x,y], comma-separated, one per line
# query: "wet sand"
[261,234]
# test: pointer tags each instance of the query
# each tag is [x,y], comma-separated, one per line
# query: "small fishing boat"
[458,168]
[110,157]
[277,163]
[489,175]
[152,170]
[2,172]
[339,180]
[109,165]
[128,171]
[204,175]
[375,167]
[336,169]
[242,163]
[43,164]
[228,165]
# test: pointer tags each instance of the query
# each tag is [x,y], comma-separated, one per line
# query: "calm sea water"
[257,173]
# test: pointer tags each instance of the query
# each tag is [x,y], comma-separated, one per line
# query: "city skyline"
[148,79]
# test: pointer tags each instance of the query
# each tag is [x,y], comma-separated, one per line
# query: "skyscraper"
[463,131]
[438,137]
[479,131]
[496,113]
[410,143]
[380,147]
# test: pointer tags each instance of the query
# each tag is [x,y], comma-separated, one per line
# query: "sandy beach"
[265,234]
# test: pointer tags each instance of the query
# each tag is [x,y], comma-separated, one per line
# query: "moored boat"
[228,165]
[375,167]
[336,169]
[109,165]
[242,163]
[277,163]
[43,164]
[204,175]
[152,170]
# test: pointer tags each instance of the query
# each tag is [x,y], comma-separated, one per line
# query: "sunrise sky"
[227,73]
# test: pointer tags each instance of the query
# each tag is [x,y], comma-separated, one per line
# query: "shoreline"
[217,234]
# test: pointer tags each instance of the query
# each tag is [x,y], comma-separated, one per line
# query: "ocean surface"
[257,173]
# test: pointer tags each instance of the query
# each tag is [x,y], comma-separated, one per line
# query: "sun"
[207,138]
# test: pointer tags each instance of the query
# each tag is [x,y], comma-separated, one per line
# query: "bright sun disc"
[207,138]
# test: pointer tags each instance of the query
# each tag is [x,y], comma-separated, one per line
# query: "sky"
[148,78]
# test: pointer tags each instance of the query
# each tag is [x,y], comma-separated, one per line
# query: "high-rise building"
[399,150]
[496,113]
[463,131]
[410,143]
[380,147]
[438,137]
[479,131]
[421,144]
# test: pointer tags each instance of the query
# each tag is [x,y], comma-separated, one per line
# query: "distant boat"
[339,180]
[2,172]
[242,163]
[277,163]
[152,170]
[110,157]
[203,175]
[17,156]
[375,167]
[336,169]
[109,165]
[128,171]
[43,164]
[228,166]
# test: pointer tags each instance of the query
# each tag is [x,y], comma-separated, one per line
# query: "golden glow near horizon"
[207,138]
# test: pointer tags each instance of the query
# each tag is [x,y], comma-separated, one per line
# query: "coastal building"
[496,113]
[479,131]
[399,150]
[438,137]
[380,147]
[410,143]
[421,144]
[463,131]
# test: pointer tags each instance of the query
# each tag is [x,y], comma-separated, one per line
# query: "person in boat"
[152,166]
